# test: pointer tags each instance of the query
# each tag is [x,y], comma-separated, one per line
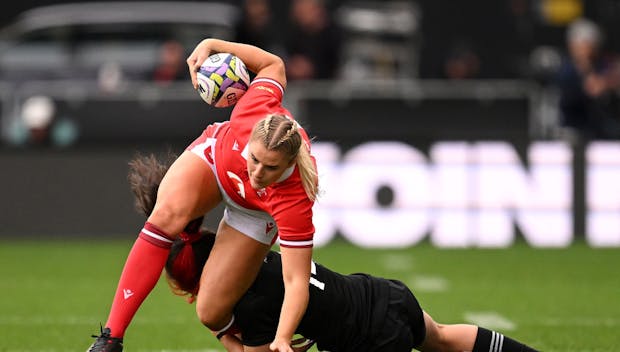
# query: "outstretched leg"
[188,190]
[465,337]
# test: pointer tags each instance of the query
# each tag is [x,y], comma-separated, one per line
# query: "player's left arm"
[231,343]
[299,345]
[257,60]
[296,264]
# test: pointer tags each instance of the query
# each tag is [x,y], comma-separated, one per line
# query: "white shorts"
[255,224]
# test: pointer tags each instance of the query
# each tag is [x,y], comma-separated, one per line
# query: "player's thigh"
[230,270]
[188,190]
[403,327]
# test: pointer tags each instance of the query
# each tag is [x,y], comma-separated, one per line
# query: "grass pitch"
[55,293]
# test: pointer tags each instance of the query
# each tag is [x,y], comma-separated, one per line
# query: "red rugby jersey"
[286,200]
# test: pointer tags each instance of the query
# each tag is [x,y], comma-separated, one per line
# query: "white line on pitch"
[428,283]
[490,320]
[397,262]
[78,320]
[579,322]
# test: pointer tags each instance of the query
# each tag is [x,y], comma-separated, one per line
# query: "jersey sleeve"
[294,218]
[262,98]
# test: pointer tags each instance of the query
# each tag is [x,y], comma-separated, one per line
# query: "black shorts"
[404,327]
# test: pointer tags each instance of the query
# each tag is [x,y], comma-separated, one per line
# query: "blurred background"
[463,123]
[489,129]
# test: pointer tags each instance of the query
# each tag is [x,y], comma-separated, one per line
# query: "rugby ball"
[222,80]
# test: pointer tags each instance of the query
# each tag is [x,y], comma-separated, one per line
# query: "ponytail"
[181,269]
[187,257]
[307,171]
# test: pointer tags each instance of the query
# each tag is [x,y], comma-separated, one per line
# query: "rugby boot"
[106,343]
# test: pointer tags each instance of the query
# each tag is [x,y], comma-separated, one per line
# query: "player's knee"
[442,343]
[210,316]
[434,344]
[170,218]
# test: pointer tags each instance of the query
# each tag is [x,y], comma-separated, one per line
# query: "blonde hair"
[278,132]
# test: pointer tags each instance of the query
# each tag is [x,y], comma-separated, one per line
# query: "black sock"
[491,341]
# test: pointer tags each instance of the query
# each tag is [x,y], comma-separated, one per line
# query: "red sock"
[142,270]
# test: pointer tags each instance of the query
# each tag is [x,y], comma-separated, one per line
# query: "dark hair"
[145,175]
[190,250]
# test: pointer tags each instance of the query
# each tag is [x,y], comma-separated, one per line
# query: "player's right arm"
[257,60]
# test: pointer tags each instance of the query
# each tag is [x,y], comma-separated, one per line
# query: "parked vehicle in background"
[77,40]
[106,72]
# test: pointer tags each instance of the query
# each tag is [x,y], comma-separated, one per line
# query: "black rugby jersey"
[342,314]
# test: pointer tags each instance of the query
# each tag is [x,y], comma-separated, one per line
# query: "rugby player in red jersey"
[345,313]
[258,163]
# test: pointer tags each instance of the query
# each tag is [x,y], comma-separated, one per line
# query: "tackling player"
[346,313]
[357,312]
[259,164]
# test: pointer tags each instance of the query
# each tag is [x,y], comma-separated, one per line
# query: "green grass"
[55,293]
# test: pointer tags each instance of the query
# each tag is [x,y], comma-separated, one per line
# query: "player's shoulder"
[272,264]
[269,279]
[264,96]
[215,128]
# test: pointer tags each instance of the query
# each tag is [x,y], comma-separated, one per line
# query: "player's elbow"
[273,67]
[278,63]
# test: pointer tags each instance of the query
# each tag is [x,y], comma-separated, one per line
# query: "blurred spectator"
[462,62]
[110,77]
[588,81]
[258,27]
[171,63]
[37,116]
[313,43]
[38,125]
